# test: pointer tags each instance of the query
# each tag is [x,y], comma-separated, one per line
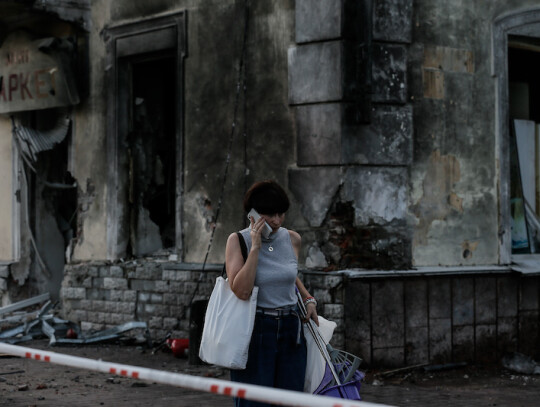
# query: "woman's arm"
[242,274]
[311,306]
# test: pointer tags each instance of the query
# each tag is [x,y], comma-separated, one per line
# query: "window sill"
[528,264]
[423,271]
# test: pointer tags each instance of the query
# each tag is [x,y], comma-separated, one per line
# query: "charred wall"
[354,137]
[37,128]
[263,131]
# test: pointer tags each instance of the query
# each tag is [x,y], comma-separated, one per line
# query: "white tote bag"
[228,325]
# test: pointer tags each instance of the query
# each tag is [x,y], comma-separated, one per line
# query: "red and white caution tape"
[224,387]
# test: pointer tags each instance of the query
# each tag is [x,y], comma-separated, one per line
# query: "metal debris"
[105,335]
[23,304]
[405,369]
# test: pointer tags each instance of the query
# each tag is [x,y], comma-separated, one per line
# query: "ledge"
[191,266]
[526,264]
[420,271]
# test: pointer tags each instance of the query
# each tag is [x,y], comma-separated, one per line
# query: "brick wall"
[101,295]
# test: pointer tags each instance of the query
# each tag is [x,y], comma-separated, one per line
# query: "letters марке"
[28,85]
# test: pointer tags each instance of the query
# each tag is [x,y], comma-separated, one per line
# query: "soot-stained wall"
[378,116]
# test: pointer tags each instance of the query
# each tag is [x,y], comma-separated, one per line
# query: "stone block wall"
[328,289]
[404,321]
[104,295]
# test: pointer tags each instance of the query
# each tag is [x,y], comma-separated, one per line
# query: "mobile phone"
[267,229]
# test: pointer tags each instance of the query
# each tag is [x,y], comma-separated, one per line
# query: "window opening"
[152,163]
[524,108]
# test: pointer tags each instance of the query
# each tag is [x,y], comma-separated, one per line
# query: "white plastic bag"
[228,325]
[316,363]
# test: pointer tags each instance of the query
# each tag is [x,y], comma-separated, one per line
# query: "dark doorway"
[151,144]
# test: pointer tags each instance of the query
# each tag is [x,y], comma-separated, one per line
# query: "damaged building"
[405,132]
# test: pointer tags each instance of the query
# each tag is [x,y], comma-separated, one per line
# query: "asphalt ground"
[26,382]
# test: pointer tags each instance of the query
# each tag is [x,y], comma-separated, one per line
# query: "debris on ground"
[518,362]
[178,346]
[445,366]
[400,370]
[18,326]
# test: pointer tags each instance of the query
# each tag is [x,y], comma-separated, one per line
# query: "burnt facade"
[131,129]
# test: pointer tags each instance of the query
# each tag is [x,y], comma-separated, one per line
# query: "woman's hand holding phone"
[256,232]
[266,228]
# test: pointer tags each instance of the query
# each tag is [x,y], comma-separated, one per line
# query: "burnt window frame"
[523,23]
[150,35]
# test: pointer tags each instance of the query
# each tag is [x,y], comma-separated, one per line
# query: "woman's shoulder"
[295,236]
[243,232]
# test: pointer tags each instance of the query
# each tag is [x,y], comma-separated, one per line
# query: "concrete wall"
[453,177]
[6,184]
[215,31]
[89,158]
[214,48]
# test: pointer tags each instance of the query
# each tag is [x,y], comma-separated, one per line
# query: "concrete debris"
[44,324]
[520,363]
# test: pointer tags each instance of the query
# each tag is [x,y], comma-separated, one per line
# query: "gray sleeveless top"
[276,270]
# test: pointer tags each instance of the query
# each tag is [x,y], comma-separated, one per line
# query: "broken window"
[524,107]
[43,138]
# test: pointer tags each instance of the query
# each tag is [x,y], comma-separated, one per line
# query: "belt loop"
[298,338]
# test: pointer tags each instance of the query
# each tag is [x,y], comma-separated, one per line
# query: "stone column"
[348,89]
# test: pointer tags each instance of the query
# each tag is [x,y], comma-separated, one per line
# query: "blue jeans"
[277,356]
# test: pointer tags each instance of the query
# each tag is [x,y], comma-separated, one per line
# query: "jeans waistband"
[283,312]
[277,312]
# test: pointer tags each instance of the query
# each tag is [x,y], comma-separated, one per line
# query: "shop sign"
[34,75]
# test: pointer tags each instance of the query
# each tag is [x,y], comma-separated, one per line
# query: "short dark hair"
[266,197]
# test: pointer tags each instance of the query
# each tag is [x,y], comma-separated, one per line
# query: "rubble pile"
[19,324]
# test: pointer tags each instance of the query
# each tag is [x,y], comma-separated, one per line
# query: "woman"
[277,353]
